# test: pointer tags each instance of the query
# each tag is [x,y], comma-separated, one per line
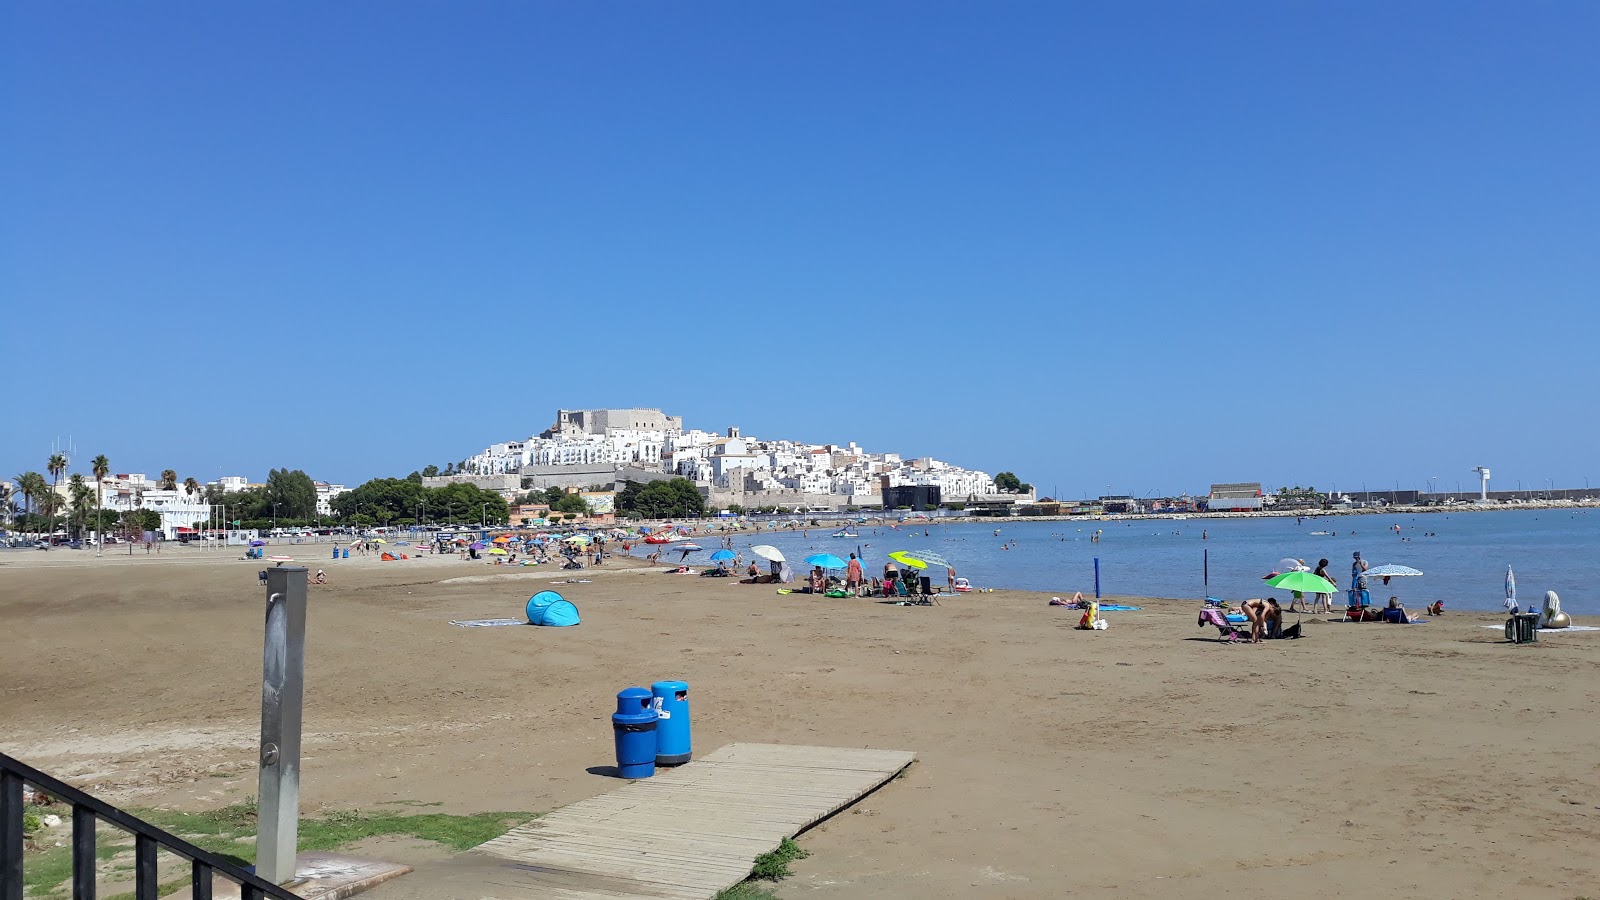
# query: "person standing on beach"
[852,575]
[1358,577]
[1324,601]
[950,578]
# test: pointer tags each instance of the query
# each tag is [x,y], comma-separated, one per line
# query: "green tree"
[415,477]
[553,495]
[101,467]
[32,486]
[430,471]
[293,495]
[57,466]
[1009,483]
[82,503]
[571,503]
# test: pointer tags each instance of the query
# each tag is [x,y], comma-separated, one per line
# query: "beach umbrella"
[1304,582]
[919,560]
[475,545]
[1392,571]
[497,551]
[503,539]
[1511,585]
[380,541]
[259,543]
[721,555]
[1290,564]
[826,561]
[688,548]
[767,552]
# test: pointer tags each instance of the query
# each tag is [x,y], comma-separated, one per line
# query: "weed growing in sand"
[775,865]
[772,866]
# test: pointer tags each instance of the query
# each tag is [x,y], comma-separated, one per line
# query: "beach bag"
[1099,625]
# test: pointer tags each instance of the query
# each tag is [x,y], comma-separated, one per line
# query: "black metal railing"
[147,839]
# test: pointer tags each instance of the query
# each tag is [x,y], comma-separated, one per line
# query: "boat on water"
[665,538]
[1321,533]
[847,533]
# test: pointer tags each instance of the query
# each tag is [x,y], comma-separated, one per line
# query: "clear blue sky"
[1149,245]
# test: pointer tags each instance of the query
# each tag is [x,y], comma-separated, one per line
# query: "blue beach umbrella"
[721,555]
[826,561]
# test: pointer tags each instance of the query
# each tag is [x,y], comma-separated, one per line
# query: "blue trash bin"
[672,723]
[345,553]
[634,724]
[336,553]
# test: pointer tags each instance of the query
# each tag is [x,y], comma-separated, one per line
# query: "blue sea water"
[1463,555]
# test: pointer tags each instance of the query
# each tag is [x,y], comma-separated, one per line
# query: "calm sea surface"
[1463,555]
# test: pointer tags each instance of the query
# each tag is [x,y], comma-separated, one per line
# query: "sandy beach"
[1148,760]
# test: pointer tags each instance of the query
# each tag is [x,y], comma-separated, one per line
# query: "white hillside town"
[729,468]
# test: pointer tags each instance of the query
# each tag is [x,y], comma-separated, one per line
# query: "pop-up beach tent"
[550,608]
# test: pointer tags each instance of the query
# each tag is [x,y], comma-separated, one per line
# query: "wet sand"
[1148,760]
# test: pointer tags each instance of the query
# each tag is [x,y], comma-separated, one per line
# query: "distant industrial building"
[913,496]
[1240,497]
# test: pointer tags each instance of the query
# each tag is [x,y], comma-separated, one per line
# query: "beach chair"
[900,589]
[1230,632]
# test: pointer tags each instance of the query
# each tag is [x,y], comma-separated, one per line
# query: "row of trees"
[45,507]
[404,501]
[675,498]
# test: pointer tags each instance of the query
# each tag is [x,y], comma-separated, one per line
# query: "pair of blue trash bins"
[651,728]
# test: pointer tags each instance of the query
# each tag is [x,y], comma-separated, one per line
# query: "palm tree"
[50,503]
[101,468]
[57,467]
[31,485]
[169,480]
[191,487]
[82,501]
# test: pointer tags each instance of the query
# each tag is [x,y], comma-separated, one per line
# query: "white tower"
[1483,488]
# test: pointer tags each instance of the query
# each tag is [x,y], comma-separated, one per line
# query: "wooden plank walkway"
[689,832]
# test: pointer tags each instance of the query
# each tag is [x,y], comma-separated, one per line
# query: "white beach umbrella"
[768,552]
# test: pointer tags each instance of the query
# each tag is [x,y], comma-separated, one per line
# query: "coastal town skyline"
[704,471]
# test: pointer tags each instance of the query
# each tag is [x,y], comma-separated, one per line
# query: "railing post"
[83,858]
[282,689]
[146,881]
[200,879]
[10,835]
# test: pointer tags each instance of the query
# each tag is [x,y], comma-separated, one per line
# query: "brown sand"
[1148,760]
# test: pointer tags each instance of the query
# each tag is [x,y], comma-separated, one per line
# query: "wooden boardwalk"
[688,833]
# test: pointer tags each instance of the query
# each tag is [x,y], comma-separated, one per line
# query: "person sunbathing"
[1395,614]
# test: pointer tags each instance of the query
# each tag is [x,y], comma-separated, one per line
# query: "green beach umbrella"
[1304,582]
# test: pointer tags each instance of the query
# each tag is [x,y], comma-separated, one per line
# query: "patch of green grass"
[45,871]
[455,832]
[226,831]
[775,865]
